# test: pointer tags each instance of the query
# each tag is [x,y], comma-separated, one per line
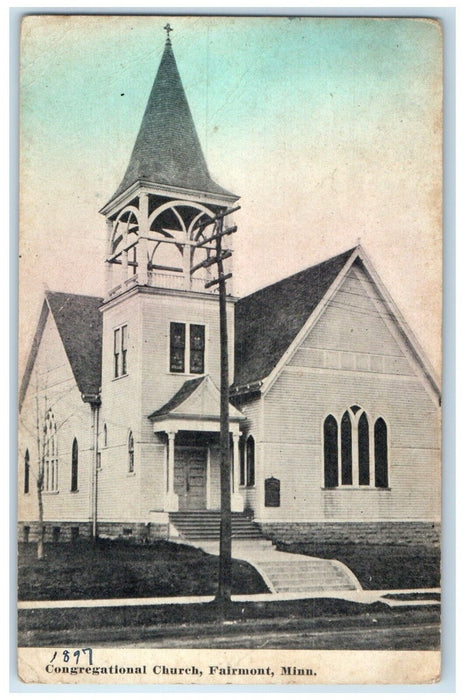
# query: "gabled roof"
[79,323]
[267,321]
[167,149]
[197,399]
[179,397]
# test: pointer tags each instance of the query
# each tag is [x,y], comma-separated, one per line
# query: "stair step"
[205,525]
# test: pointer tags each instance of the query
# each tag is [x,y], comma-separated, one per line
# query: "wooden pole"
[223,596]
[225,564]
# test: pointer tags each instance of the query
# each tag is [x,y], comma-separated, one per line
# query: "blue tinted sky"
[328,129]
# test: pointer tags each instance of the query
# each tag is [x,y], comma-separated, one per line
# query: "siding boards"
[253,427]
[120,492]
[158,385]
[57,389]
[351,357]
[128,401]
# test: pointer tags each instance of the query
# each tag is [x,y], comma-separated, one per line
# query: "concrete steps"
[205,525]
[282,572]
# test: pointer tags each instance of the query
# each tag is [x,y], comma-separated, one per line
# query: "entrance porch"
[190,422]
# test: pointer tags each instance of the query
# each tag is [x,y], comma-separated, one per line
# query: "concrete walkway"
[288,573]
[359,596]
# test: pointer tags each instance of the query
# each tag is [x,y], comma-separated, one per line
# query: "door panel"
[190,478]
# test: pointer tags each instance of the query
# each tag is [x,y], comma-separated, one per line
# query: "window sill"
[186,374]
[121,376]
[74,490]
[355,488]
[50,493]
[130,474]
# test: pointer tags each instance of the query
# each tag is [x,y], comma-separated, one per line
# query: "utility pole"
[223,596]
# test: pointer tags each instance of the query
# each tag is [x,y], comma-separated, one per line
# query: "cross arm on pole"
[211,261]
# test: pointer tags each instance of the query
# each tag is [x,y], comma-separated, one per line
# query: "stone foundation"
[72,531]
[402,533]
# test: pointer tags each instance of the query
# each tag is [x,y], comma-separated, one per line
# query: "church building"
[334,408]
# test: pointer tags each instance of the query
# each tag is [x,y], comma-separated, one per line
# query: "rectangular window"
[116,347]
[197,348]
[120,349]
[124,348]
[187,348]
[177,347]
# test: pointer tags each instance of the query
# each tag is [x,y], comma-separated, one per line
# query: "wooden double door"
[190,477]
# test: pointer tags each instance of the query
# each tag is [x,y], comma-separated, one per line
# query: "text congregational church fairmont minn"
[334,408]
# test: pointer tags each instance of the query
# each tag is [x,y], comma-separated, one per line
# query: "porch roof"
[195,404]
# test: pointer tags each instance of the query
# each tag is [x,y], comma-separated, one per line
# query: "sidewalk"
[359,596]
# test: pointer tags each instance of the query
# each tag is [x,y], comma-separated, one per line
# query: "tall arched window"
[330,452]
[242,462]
[250,455]
[74,465]
[50,452]
[105,435]
[363,451]
[27,469]
[346,449]
[381,454]
[131,452]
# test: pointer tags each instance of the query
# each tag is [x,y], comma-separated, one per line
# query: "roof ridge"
[73,294]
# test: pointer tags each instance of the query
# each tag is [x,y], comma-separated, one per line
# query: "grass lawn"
[380,567]
[116,569]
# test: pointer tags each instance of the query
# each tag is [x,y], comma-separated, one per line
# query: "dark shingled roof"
[167,149]
[180,396]
[79,324]
[267,321]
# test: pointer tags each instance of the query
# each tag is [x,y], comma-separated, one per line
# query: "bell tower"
[155,215]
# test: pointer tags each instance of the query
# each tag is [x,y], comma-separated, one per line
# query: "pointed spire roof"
[167,149]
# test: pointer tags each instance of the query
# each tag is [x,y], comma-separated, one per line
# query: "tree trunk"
[40,540]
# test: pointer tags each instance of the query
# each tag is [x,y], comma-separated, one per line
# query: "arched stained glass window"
[330,452]
[131,452]
[381,454]
[250,457]
[50,454]
[27,470]
[74,465]
[363,451]
[346,450]
[242,461]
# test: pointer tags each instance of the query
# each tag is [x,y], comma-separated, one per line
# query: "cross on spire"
[168,29]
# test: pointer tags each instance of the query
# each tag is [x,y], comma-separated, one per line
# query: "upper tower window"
[120,349]
[197,349]
[187,348]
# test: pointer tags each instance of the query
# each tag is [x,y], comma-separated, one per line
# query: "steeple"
[167,149]
[155,217]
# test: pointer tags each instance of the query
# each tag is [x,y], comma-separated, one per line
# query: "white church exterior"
[335,411]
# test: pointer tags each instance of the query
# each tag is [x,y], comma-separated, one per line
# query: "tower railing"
[164,280]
